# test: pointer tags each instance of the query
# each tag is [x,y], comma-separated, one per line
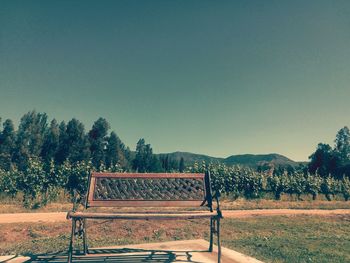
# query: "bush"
[34,183]
[9,182]
[329,187]
[345,187]
[313,185]
[296,184]
[278,184]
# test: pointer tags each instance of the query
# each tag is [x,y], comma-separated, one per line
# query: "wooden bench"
[156,190]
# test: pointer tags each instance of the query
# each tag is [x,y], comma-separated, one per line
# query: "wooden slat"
[148,175]
[145,216]
[131,203]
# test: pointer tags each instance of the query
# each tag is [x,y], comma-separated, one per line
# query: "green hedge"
[40,183]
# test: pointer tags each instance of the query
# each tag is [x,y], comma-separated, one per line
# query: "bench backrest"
[148,190]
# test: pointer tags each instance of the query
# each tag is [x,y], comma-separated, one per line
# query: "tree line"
[235,181]
[332,161]
[37,138]
[41,158]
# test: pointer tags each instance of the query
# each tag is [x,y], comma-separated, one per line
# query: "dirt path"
[61,216]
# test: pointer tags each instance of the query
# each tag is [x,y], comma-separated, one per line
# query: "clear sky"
[211,77]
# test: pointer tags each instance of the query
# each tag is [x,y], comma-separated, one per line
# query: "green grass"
[271,239]
[290,238]
[286,203]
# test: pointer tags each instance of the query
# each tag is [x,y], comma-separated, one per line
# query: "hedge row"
[41,183]
[238,181]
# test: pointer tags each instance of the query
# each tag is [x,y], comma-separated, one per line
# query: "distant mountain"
[190,158]
[248,160]
[255,160]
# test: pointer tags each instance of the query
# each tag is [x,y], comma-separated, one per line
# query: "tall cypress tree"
[62,151]
[7,144]
[74,144]
[182,165]
[51,142]
[145,160]
[98,141]
[30,137]
[116,152]
[342,145]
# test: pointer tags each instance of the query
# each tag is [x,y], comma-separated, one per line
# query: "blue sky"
[211,77]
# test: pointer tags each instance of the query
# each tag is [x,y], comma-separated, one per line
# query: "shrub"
[345,187]
[313,185]
[329,187]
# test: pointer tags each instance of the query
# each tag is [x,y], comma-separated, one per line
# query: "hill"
[190,158]
[255,160]
[249,160]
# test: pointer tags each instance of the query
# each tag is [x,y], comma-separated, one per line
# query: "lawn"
[271,239]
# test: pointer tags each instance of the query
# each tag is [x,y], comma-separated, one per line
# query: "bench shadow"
[118,255]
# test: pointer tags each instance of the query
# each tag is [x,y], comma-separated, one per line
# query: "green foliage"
[335,162]
[342,145]
[238,181]
[76,142]
[37,160]
[181,165]
[322,161]
[34,183]
[30,138]
[145,160]
[296,183]
[345,187]
[8,181]
[98,141]
[329,187]
[116,153]
[313,185]
[278,184]
[51,142]
[74,177]
[7,144]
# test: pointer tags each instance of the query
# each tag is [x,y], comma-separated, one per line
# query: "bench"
[156,190]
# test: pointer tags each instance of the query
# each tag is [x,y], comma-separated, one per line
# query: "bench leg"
[70,250]
[211,234]
[218,236]
[85,246]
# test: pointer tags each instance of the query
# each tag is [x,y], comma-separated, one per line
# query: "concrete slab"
[194,251]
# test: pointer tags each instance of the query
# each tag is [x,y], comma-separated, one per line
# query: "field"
[272,239]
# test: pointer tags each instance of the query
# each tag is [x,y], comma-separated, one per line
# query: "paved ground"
[61,216]
[194,251]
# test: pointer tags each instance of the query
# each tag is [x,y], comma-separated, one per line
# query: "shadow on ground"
[115,255]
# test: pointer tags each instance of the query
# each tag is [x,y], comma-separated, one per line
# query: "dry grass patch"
[298,238]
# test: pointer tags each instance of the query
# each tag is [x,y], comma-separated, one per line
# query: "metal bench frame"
[93,199]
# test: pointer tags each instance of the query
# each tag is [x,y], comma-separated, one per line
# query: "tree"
[165,162]
[181,165]
[144,160]
[98,141]
[62,150]
[30,137]
[7,144]
[142,156]
[342,145]
[322,160]
[75,144]
[51,142]
[115,152]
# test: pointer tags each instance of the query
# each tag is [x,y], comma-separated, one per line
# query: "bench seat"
[144,216]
